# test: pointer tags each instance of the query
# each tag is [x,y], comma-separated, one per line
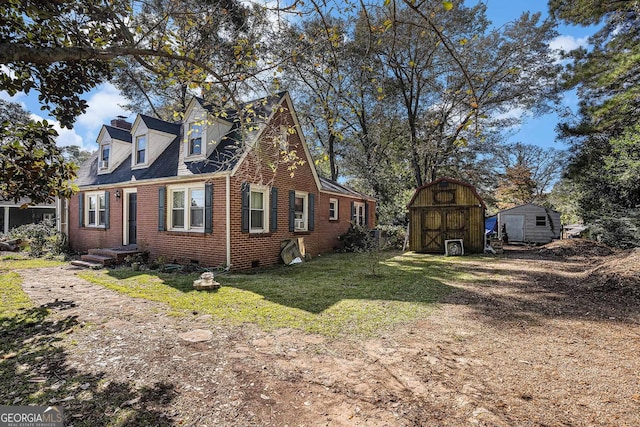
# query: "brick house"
[223,187]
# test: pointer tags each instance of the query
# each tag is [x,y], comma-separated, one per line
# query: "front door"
[132,218]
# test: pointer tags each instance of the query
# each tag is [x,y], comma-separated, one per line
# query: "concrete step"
[98,259]
[86,264]
[118,255]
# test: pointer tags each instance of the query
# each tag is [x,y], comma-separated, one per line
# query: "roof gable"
[446,179]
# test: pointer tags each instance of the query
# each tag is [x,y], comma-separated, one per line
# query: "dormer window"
[195,139]
[141,150]
[104,156]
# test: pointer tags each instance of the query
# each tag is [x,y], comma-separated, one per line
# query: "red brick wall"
[182,247]
[329,230]
[267,166]
[82,239]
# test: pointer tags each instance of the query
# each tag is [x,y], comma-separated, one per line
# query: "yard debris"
[10,245]
[292,249]
[576,247]
[205,282]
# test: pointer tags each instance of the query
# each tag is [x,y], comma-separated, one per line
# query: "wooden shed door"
[432,239]
[455,224]
[442,224]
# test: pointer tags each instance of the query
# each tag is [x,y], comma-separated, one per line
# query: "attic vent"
[443,184]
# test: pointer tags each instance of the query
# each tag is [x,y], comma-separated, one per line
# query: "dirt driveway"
[539,339]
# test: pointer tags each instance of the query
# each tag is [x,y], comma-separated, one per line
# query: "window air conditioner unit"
[453,247]
[103,164]
[299,223]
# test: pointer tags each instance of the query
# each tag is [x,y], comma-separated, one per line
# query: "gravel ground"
[543,337]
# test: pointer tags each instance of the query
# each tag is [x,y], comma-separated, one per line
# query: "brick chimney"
[120,123]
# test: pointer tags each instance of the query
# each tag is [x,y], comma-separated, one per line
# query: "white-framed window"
[258,209]
[104,156]
[140,154]
[194,139]
[301,207]
[333,209]
[359,213]
[96,210]
[186,208]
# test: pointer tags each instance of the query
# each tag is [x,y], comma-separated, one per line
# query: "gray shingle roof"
[160,125]
[334,187]
[223,158]
[117,133]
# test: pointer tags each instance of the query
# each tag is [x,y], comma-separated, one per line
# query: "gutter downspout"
[228,215]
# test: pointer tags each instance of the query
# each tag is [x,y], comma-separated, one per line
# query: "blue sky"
[104,102]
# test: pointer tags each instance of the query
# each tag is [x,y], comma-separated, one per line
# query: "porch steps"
[98,259]
[102,257]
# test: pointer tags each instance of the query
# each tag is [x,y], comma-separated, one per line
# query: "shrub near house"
[221,187]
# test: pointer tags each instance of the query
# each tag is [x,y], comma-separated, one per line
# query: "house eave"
[351,196]
[171,179]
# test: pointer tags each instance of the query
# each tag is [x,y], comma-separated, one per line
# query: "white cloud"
[104,105]
[567,43]
[66,136]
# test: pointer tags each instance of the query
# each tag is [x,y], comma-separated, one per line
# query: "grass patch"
[334,295]
[18,262]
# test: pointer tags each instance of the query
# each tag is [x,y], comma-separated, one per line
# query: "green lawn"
[334,295]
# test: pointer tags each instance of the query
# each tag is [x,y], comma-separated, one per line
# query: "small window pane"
[195,139]
[197,217]
[541,221]
[105,153]
[177,216]
[197,198]
[102,202]
[257,220]
[141,143]
[92,203]
[92,217]
[257,201]
[102,217]
[299,204]
[178,199]
[333,209]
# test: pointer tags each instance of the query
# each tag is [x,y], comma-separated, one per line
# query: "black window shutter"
[353,211]
[161,211]
[312,211]
[366,213]
[273,215]
[245,207]
[208,208]
[106,209]
[292,211]
[81,210]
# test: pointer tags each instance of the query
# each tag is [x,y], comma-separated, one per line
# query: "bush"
[392,236]
[617,232]
[42,238]
[358,238]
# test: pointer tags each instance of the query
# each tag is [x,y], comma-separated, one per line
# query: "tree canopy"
[31,166]
[607,79]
